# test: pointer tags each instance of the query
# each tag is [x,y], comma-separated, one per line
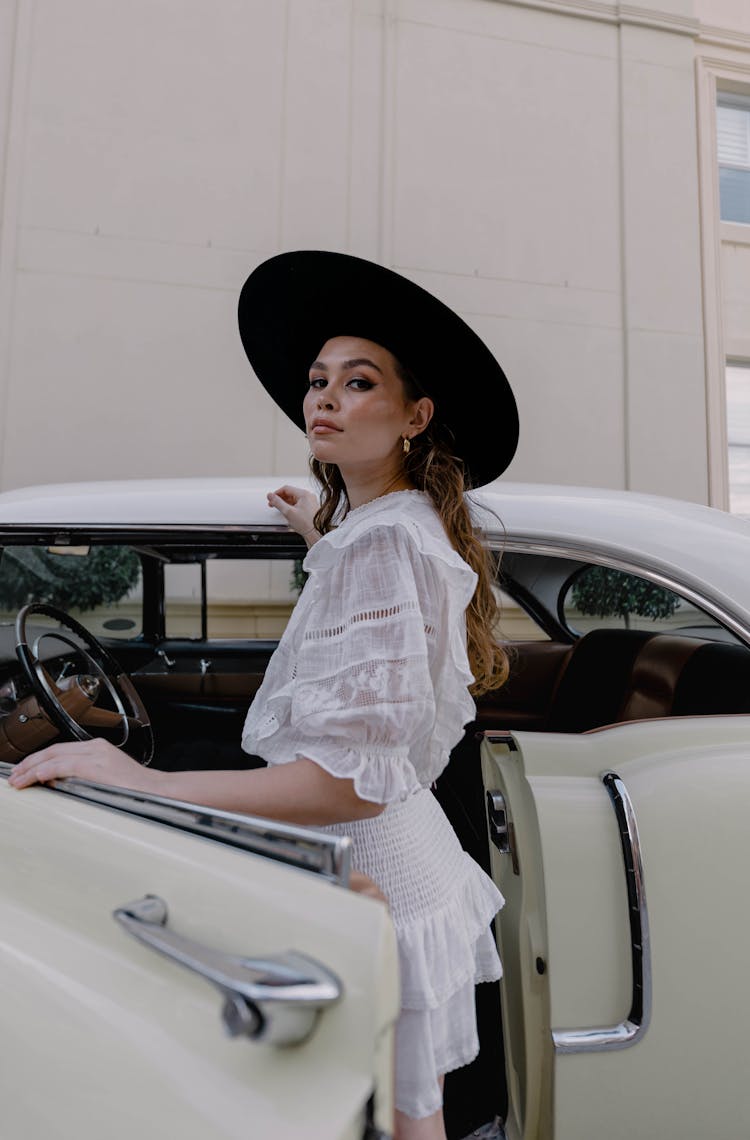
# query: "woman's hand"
[363,885]
[299,508]
[95,760]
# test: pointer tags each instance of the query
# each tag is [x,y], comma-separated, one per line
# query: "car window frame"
[247,540]
[585,553]
[565,588]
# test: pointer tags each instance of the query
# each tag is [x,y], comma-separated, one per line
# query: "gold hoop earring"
[407,444]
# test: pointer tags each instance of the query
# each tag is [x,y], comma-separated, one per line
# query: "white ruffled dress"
[370,682]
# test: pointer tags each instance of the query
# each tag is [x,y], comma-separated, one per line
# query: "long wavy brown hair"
[431,466]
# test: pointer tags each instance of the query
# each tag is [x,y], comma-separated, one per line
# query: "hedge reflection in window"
[100,585]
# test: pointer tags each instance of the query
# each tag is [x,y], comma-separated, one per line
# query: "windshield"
[99,585]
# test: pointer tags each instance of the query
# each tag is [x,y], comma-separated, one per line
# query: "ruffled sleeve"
[363,697]
[371,678]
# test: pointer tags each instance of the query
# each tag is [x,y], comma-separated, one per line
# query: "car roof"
[209,502]
[242,501]
[687,542]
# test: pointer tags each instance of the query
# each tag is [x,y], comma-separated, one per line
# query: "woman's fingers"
[275,500]
[363,885]
[286,504]
[50,763]
[96,760]
[291,495]
[297,505]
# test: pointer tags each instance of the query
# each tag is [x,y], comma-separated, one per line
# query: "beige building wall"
[545,166]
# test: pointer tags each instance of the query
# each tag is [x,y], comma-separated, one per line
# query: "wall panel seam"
[11,203]
[645,17]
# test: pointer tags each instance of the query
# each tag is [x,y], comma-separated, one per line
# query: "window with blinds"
[738,434]
[733,138]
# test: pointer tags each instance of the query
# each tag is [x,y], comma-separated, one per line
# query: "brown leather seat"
[616,675]
[595,683]
[714,682]
[655,676]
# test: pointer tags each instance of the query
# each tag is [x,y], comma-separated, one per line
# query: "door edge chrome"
[632,1029]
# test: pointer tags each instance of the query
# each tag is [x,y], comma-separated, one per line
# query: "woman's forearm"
[298,792]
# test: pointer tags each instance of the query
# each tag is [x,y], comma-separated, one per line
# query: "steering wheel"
[71,703]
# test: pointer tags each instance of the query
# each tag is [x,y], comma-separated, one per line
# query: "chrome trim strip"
[632,1029]
[616,561]
[122,529]
[301,847]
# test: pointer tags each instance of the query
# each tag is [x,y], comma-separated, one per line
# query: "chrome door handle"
[276,999]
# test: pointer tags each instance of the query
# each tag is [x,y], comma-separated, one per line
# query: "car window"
[515,623]
[100,586]
[600,597]
[246,598]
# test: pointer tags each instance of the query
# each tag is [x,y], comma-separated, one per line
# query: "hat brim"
[294,302]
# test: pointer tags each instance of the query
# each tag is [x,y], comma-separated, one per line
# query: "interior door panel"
[197,694]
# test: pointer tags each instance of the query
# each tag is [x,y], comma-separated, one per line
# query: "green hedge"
[71,582]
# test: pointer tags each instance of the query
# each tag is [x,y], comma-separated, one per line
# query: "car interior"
[597,651]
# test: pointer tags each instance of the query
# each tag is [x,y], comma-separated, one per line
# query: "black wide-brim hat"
[295,302]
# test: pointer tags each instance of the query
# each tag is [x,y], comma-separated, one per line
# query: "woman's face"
[356,411]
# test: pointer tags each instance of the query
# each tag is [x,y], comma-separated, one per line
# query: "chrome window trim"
[634,1026]
[125,528]
[305,848]
[276,540]
[615,560]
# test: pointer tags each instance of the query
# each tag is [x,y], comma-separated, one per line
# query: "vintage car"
[169,968]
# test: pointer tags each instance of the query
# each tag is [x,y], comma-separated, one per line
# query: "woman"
[368,690]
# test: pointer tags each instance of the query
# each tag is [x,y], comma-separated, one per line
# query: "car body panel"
[150,1032]
[689,781]
[123,1036]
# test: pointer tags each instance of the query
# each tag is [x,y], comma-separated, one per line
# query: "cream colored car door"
[622,855]
[105,1034]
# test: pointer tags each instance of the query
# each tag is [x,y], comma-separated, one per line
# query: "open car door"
[626,932]
[168,970]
